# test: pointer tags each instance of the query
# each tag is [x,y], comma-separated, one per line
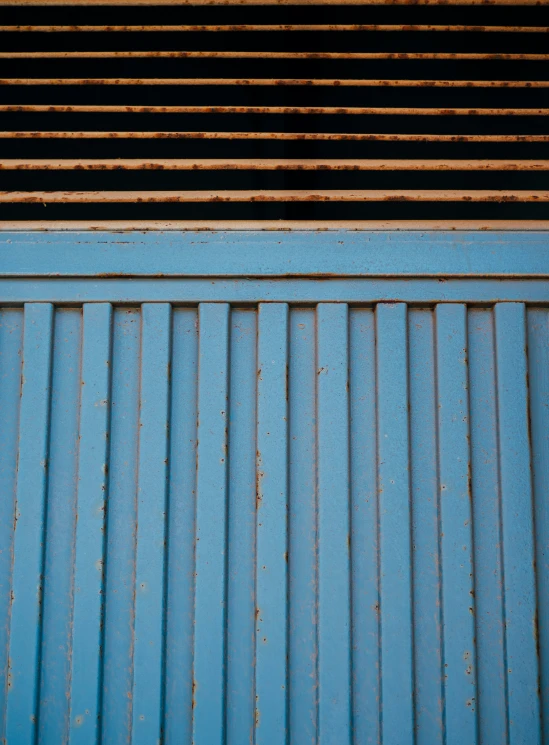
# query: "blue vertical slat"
[11,340]
[60,527]
[429,702]
[271,688]
[517,524]
[147,698]
[211,525]
[456,536]
[490,632]
[302,529]
[334,622]
[538,366]
[121,517]
[397,714]
[364,541]
[324,435]
[90,526]
[180,569]
[30,513]
[241,528]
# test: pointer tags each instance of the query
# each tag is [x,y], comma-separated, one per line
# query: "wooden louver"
[204,109]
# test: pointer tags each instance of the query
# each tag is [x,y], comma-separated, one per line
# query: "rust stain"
[270,164]
[536,634]
[323,136]
[278,27]
[152,54]
[258,491]
[334,195]
[286,110]
[349,82]
[92,3]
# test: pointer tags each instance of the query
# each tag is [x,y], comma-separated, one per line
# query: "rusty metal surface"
[209,226]
[336,83]
[279,195]
[287,485]
[321,136]
[280,27]
[403,56]
[355,110]
[269,164]
[91,3]
[510,81]
[342,82]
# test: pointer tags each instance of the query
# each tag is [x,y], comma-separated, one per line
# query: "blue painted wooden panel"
[281,523]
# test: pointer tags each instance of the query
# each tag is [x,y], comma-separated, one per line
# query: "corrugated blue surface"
[274,524]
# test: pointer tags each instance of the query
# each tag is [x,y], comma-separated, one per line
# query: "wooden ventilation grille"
[279,110]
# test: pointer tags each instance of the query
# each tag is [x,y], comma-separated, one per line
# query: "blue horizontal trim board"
[344,253]
[191,291]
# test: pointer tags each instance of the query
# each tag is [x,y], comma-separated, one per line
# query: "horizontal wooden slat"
[270,164]
[355,110]
[88,3]
[337,83]
[401,56]
[302,195]
[320,136]
[280,27]
[270,225]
